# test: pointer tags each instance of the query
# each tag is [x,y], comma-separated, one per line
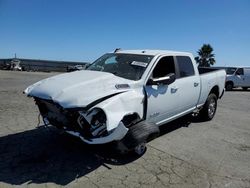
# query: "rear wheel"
[209,109]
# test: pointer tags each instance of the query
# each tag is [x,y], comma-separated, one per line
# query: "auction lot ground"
[187,154]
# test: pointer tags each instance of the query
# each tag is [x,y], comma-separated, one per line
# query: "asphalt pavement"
[188,153]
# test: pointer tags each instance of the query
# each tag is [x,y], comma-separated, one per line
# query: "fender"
[121,105]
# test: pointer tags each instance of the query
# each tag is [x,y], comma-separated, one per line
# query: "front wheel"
[229,86]
[138,135]
[209,109]
[140,149]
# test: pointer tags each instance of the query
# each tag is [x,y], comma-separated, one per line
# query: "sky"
[83,30]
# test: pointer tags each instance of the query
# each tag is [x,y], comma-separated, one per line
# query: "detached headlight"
[96,120]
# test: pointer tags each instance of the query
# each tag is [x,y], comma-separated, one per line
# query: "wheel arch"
[130,119]
[215,90]
[229,81]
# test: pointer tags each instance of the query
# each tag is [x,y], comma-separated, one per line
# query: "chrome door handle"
[196,84]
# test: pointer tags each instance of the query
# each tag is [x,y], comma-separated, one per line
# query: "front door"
[239,77]
[162,99]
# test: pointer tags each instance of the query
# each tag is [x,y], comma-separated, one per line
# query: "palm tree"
[205,56]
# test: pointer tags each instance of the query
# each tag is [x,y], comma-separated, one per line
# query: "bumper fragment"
[116,135]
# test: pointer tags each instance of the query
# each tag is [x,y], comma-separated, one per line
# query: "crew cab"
[238,77]
[124,96]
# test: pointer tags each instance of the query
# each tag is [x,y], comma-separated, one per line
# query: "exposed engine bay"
[90,124]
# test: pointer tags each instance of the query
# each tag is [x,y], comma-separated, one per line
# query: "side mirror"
[166,80]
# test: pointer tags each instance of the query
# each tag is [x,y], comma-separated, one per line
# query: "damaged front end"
[96,115]
[90,125]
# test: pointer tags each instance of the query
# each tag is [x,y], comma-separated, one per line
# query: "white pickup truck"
[124,97]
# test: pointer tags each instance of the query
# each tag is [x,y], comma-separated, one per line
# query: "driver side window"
[240,72]
[164,66]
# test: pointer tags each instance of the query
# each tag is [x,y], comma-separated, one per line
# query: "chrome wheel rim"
[211,108]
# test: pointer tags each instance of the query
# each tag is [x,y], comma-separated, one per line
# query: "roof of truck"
[153,52]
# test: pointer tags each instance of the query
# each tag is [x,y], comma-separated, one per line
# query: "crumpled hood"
[77,89]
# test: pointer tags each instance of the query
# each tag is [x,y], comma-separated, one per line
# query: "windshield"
[231,70]
[129,66]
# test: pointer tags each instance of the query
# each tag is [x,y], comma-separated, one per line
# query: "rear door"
[188,84]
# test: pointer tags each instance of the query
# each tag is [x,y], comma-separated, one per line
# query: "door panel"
[239,77]
[239,80]
[189,92]
[189,84]
[162,101]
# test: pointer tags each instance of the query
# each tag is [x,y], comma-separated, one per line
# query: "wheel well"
[215,90]
[131,119]
[231,82]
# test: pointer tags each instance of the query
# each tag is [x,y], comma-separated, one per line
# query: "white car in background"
[238,77]
[124,97]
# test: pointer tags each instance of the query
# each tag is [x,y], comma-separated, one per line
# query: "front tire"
[138,135]
[229,86]
[208,111]
[140,149]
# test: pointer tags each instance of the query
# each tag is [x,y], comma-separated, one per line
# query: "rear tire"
[208,111]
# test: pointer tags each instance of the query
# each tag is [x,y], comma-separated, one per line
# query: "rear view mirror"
[166,80]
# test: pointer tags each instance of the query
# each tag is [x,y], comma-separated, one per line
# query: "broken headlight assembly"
[94,122]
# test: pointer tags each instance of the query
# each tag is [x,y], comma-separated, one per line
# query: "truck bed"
[209,78]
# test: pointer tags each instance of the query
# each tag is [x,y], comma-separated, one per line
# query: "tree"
[205,56]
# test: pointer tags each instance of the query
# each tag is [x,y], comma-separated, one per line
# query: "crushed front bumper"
[66,119]
[116,135]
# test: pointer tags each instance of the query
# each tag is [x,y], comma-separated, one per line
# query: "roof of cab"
[153,52]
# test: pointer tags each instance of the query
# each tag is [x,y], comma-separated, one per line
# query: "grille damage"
[67,119]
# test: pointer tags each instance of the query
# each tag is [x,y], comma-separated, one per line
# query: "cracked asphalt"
[188,153]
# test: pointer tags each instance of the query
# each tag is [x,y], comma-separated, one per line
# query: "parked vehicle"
[15,65]
[240,77]
[71,68]
[229,70]
[124,97]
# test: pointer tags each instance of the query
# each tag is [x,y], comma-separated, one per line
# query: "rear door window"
[185,65]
